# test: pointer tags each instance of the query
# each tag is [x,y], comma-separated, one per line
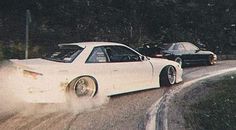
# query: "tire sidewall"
[164,80]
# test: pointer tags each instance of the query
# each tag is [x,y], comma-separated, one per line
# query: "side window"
[190,46]
[178,47]
[97,56]
[121,54]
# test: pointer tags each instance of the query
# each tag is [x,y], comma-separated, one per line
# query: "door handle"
[115,70]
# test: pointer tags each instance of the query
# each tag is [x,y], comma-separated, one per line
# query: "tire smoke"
[11,100]
[8,102]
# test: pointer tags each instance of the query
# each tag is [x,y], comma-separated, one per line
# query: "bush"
[1,52]
[17,51]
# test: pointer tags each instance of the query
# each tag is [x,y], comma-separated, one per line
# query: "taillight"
[31,74]
[159,55]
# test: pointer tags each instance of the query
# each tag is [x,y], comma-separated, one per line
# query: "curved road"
[126,111]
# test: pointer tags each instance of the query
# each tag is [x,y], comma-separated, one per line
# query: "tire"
[168,76]
[179,60]
[83,87]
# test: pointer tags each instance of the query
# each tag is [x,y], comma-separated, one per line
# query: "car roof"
[184,42]
[175,42]
[92,44]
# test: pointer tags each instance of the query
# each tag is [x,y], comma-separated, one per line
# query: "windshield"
[65,53]
[165,46]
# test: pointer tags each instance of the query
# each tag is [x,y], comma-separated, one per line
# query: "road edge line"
[159,107]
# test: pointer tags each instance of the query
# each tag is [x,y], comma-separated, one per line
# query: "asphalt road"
[123,112]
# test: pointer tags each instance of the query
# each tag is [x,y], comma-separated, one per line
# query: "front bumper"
[179,76]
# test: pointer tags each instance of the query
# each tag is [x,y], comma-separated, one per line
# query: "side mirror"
[204,49]
[143,58]
[67,59]
[196,51]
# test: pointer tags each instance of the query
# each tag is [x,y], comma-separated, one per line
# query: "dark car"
[184,53]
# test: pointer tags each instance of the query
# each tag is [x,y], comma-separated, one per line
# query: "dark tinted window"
[65,53]
[189,46]
[121,54]
[178,47]
[166,46]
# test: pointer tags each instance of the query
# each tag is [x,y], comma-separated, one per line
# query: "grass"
[217,109]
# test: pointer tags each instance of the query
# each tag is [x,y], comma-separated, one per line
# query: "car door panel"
[129,71]
[131,76]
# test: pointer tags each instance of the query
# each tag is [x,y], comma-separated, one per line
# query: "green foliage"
[132,22]
[17,51]
[1,52]
[14,50]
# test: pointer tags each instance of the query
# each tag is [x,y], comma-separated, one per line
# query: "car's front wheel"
[168,76]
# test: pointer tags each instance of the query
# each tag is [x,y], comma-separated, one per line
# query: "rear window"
[166,46]
[65,53]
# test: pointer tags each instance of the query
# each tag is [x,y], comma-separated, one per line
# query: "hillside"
[132,22]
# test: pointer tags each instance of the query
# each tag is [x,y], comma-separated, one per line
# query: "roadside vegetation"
[17,51]
[217,109]
[132,22]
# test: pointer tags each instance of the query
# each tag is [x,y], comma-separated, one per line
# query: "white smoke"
[11,97]
[79,105]
[8,101]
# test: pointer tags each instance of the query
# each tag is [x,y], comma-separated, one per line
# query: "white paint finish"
[112,78]
[138,75]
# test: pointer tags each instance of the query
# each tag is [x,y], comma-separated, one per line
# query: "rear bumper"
[41,90]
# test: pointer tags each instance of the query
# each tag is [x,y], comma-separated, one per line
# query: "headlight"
[31,74]
[214,56]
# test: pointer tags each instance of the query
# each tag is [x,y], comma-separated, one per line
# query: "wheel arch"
[173,56]
[165,67]
[71,82]
[162,71]
[210,57]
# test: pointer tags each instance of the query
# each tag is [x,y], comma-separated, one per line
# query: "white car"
[90,69]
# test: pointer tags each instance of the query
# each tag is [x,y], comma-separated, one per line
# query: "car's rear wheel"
[83,87]
[168,76]
[179,60]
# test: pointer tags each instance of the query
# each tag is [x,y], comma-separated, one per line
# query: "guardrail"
[226,57]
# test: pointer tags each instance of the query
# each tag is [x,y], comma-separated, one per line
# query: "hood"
[37,64]
[163,61]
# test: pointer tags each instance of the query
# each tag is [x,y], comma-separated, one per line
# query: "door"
[97,65]
[129,72]
[192,54]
